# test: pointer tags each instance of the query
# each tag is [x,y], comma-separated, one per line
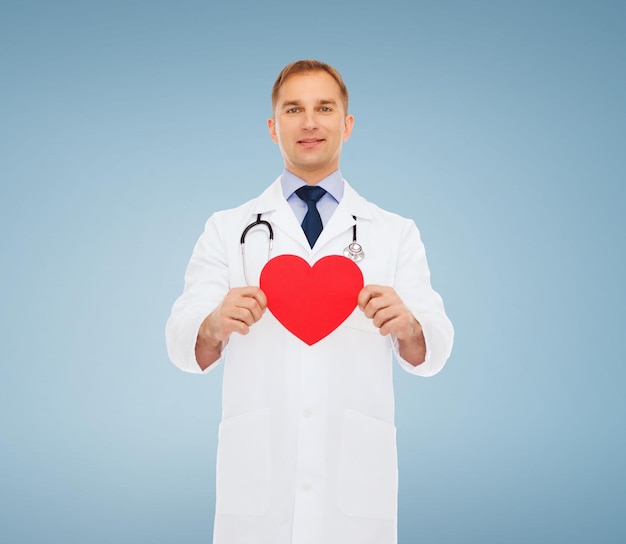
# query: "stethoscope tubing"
[353,250]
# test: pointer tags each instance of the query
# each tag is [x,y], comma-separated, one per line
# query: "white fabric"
[307,450]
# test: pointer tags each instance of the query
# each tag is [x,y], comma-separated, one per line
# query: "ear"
[271,126]
[348,125]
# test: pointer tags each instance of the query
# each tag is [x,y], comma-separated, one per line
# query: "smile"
[310,142]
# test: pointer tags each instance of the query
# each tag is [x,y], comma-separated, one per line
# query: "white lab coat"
[307,449]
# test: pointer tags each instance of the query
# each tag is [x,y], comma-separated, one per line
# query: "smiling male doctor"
[307,449]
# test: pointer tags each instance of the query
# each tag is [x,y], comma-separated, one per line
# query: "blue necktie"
[312,223]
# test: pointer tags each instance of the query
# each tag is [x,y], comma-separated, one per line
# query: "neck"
[312,178]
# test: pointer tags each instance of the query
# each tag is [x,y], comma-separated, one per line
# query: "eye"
[292,110]
[325,109]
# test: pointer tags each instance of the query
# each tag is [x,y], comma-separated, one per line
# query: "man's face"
[310,125]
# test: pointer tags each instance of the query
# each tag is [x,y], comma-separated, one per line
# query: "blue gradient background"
[497,125]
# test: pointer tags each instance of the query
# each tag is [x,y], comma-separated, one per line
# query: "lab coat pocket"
[357,320]
[368,467]
[243,465]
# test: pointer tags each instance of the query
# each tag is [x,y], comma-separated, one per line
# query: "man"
[307,450]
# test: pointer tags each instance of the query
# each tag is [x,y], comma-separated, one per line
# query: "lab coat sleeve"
[412,283]
[206,284]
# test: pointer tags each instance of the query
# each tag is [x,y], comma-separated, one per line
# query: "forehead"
[309,86]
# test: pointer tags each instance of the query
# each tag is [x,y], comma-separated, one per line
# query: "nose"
[308,120]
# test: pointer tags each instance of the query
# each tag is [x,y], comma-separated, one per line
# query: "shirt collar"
[333,184]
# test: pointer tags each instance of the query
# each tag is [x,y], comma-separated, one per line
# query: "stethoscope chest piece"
[354,251]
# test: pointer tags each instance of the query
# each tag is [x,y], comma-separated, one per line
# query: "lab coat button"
[306,486]
[307,413]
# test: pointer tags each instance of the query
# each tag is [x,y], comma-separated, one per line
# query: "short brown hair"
[308,66]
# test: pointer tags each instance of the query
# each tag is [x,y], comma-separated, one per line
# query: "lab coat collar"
[273,203]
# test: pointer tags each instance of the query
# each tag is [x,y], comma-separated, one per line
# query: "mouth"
[310,142]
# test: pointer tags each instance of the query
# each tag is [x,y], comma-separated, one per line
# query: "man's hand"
[389,314]
[241,308]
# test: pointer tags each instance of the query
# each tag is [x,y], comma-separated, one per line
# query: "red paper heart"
[311,302]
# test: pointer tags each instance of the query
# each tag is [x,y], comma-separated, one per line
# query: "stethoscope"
[353,250]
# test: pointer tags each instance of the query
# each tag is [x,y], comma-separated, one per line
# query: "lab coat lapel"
[272,204]
[352,204]
[279,213]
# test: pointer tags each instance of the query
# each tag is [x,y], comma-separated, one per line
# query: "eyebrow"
[322,102]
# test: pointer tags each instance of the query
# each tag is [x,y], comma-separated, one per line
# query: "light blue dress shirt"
[326,205]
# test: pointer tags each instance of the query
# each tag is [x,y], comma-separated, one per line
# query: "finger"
[253,293]
[404,326]
[254,309]
[365,295]
[225,321]
[384,315]
[246,291]
[240,313]
[372,291]
[391,326]
[398,325]
[261,299]
[377,304]
[256,302]
[235,325]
